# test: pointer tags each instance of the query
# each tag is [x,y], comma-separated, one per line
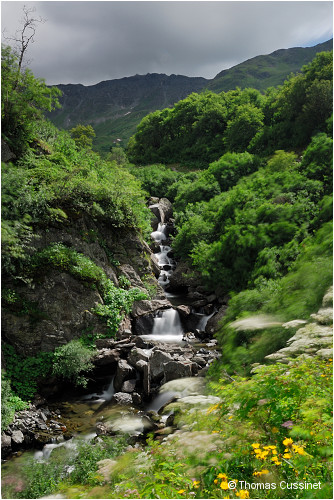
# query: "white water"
[166,327]
[106,394]
[166,264]
[203,321]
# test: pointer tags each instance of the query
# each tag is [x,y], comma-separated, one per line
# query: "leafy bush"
[117,303]
[71,360]
[9,403]
[24,372]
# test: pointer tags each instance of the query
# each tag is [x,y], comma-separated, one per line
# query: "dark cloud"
[86,42]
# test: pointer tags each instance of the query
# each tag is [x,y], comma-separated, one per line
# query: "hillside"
[115,107]
[265,71]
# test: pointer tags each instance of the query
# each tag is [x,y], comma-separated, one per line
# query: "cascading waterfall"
[167,325]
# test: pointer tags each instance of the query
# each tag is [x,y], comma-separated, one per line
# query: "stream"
[95,413]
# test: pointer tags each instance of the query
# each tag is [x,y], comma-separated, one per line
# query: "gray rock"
[106,357]
[327,301]
[6,442]
[124,372]
[212,325]
[176,369]
[17,437]
[156,363]
[137,354]
[142,307]
[324,316]
[129,386]
[122,398]
[165,209]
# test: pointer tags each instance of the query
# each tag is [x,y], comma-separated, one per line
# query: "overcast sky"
[87,42]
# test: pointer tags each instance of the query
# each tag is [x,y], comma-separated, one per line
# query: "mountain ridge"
[115,107]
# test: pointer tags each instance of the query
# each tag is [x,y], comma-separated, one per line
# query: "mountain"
[115,107]
[265,71]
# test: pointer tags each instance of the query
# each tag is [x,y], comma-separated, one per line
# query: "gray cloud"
[87,42]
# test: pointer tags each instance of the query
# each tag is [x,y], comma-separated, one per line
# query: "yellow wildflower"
[181,491]
[288,442]
[272,447]
[196,484]
[222,476]
[286,455]
[274,430]
[256,445]
[243,494]
[215,481]
[274,452]
[224,485]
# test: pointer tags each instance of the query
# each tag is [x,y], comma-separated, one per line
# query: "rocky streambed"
[161,353]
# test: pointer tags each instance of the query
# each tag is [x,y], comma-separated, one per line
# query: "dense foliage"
[202,127]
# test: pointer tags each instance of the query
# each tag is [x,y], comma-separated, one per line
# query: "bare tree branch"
[24,36]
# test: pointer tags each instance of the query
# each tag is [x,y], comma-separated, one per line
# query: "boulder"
[182,278]
[156,363]
[212,325]
[143,307]
[107,357]
[124,372]
[176,369]
[122,398]
[165,209]
[18,437]
[129,385]
[137,354]
[131,275]
[324,316]
[142,325]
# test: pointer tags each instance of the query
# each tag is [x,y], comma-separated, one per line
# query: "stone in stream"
[124,372]
[176,369]
[156,363]
[122,398]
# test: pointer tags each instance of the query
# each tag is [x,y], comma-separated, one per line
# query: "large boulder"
[213,324]
[142,307]
[165,209]
[124,372]
[156,364]
[176,369]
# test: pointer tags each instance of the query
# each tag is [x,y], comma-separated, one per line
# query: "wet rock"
[156,363]
[17,437]
[176,369]
[165,209]
[107,357]
[122,398]
[155,211]
[143,325]
[129,386]
[142,307]
[137,354]
[213,323]
[124,372]
[182,278]
[183,311]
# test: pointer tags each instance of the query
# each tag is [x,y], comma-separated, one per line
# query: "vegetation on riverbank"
[256,223]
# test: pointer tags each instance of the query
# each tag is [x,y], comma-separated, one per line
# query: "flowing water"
[86,411]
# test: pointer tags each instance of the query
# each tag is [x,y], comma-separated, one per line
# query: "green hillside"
[265,71]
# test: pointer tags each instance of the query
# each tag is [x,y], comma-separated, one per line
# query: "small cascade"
[166,263]
[166,327]
[106,395]
[203,320]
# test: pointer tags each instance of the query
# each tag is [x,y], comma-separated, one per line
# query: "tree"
[24,98]
[83,136]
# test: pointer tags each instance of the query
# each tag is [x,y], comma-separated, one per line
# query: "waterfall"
[166,327]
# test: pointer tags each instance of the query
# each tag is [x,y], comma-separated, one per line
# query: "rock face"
[313,339]
[61,305]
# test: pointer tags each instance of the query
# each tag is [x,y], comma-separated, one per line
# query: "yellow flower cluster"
[243,494]
[262,454]
[261,472]
[212,408]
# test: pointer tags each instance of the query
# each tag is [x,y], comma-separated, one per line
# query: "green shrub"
[71,361]
[9,403]
[24,372]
